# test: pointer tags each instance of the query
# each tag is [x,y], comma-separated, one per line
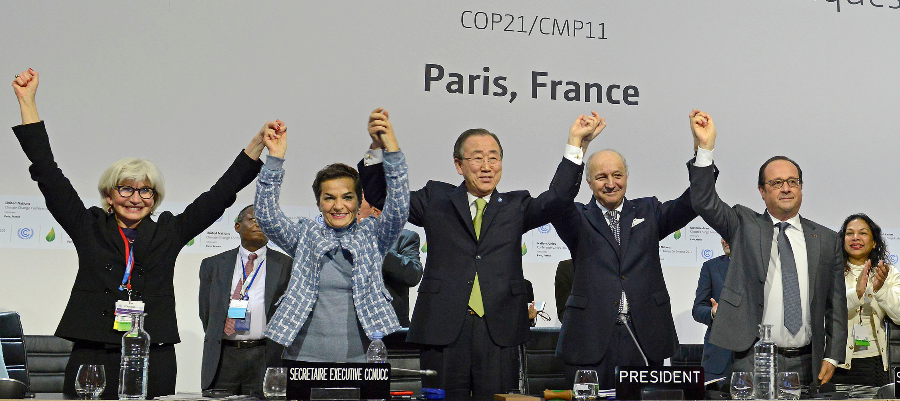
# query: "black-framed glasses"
[126,191]
[777,184]
[479,161]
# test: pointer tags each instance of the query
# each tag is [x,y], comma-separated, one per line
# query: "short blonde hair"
[133,169]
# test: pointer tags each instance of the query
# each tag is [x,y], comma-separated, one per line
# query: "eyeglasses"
[478,161]
[777,184]
[126,191]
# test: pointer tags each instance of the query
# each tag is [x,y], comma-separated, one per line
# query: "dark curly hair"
[879,252]
[335,171]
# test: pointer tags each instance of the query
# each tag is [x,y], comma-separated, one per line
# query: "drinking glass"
[586,385]
[275,383]
[742,386]
[788,386]
[90,381]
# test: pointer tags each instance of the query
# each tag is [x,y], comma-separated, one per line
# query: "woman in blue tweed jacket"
[336,299]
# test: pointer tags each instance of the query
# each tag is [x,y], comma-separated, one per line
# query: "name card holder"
[338,381]
[660,383]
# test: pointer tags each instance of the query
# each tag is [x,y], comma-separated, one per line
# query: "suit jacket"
[402,269]
[750,235]
[89,313]
[716,360]
[562,283]
[216,273]
[454,254]
[603,269]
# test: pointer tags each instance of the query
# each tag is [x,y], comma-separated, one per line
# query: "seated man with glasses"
[785,271]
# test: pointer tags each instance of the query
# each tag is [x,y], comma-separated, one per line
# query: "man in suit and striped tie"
[235,352]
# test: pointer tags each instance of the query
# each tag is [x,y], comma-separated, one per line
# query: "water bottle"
[377,352]
[764,365]
[135,358]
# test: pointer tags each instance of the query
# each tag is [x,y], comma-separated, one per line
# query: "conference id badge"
[862,335]
[242,324]
[124,309]
[237,309]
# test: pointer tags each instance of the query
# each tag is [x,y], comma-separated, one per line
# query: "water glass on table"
[788,384]
[586,385]
[90,381]
[742,386]
[275,383]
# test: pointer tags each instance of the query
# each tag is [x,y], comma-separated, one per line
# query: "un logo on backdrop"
[544,228]
[25,233]
[320,220]
[894,259]
[707,253]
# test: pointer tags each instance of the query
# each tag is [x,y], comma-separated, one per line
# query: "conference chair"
[12,340]
[47,358]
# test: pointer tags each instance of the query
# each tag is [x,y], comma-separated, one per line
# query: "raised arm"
[271,219]
[210,205]
[396,204]
[556,201]
[704,199]
[25,85]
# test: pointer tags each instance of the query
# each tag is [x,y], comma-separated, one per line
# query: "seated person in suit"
[402,267]
[716,360]
[235,352]
[336,299]
[873,295]
[565,273]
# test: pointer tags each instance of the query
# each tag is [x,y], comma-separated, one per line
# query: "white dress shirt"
[256,293]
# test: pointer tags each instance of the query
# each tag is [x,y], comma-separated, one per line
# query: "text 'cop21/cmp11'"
[542,86]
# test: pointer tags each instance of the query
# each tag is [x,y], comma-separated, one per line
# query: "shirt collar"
[794,221]
[487,198]
[604,209]
[260,253]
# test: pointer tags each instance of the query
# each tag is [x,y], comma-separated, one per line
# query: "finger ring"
[17,75]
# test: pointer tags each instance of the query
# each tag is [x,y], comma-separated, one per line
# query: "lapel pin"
[499,200]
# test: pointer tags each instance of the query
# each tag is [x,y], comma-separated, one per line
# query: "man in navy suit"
[716,360]
[471,313]
[619,297]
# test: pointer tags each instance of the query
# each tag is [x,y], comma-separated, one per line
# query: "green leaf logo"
[50,236]
[191,242]
[678,234]
[425,247]
[524,249]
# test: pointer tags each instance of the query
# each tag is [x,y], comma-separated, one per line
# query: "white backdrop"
[187,84]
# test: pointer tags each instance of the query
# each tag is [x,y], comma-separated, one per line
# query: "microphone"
[426,372]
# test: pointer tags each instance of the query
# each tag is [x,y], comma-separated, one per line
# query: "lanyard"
[250,283]
[129,264]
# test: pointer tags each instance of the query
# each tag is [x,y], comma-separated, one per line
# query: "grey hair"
[587,166]
[133,169]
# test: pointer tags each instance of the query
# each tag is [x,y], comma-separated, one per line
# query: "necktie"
[790,286]
[612,216]
[475,301]
[236,294]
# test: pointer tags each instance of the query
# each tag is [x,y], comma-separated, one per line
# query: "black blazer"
[454,255]
[603,269]
[216,274]
[101,251]
[716,360]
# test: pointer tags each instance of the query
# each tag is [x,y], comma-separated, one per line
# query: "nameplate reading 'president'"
[372,379]
[658,382]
